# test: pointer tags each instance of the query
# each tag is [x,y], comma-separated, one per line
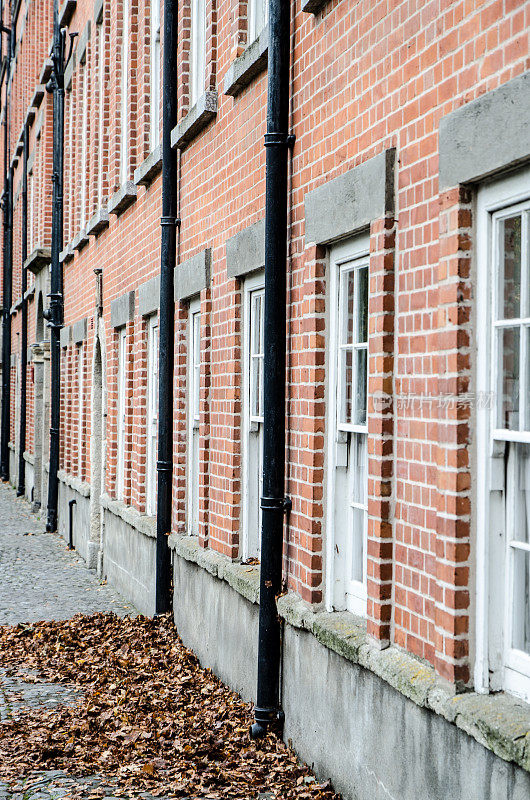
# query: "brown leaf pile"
[150,716]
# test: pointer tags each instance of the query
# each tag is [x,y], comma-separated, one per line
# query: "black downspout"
[7,207]
[54,314]
[169,223]
[24,355]
[71,505]
[273,502]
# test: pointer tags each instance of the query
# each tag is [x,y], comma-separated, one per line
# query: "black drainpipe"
[169,223]
[54,314]
[7,207]
[274,503]
[21,488]
[71,505]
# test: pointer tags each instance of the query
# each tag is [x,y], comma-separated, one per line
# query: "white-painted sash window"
[152,414]
[80,407]
[155,74]
[503,426]
[347,427]
[101,107]
[124,93]
[84,146]
[258,17]
[122,411]
[253,353]
[194,414]
[198,50]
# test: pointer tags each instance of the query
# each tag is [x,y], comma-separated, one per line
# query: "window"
[80,409]
[194,414]
[71,165]
[101,108]
[503,430]
[253,350]
[152,414]
[31,205]
[124,93]
[121,416]
[84,146]
[155,74]
[197,50]
[258,17]
[347,427]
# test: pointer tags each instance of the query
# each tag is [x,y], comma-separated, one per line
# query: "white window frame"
[80,406]
[121,415]
[124,93]
[197,50]
[101,106]
[253,286]
[258,18]
[84,145]
[152,414]
[31,204]
[342,593]
[71,165]
[155,75]
[194,413]
[497,665]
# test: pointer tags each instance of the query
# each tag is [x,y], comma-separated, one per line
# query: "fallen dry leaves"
[149,716]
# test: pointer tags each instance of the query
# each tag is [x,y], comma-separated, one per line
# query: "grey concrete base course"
[378,723]
[81,518]
[129,558]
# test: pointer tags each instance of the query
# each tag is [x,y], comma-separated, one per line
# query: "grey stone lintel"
[98,11]
[313,6]
[66,12]
[38,259]
[31,113]
[193,275]
[499,722]
[39,124]
[149,296]
[79,331]
[245,252]
[122,310]
[98,222]
[149,168]
[65,336]
[46,71]
[82,43]
[349,203]
[16,306]
[31,161]
[29,294]
[38,95]
[13,361]
[197,118]
[66,254]
[80,240]
[487,135]
[250,63]
[123,198]
[15,160]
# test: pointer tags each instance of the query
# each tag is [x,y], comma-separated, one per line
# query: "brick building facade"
[407,549]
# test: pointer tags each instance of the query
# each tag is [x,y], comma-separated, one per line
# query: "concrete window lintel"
[80,240]
[149,168]
[98,11]
[65,336]
[349,203]
[67,12]
[38,95]
[79,331]
[83,42]
[487,135]
[123,198]
[245,251]
[122,310]
[197,118]
[193,275]
[250,63]
[67,254]
[98,222]
[313,6]
[46,71]
[38,259]
[149,296]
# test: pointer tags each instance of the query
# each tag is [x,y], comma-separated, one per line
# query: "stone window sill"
[67,254]
[499,722]
[313,6]
[123,198]
[149,169]
[98,222]
[79,486]
[250,63]
[141,522]
[80,240]
[197,118]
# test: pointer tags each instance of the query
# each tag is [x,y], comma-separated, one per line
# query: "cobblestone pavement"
[41,579]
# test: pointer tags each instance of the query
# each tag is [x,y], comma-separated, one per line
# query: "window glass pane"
[362,280]
[510,291]
[521,601]
[256,383]
[509,405]
[346,372]
[359,498]
[348,306]
[360,393]
[521,516]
